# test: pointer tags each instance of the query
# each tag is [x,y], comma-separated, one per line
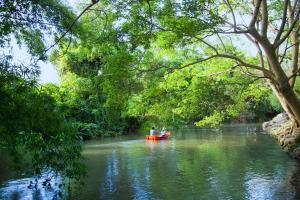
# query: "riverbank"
[281,128]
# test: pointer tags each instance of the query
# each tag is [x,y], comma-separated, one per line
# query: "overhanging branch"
[238,60]
[71,26]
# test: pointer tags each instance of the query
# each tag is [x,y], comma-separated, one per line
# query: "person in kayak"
[152,131]
[163,131]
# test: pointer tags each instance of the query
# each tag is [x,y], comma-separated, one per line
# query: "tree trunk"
[288,100]
[281,100]
[295,46]
[281,86]
[292,101]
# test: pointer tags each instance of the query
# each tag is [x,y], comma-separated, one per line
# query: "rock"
[281,128]
[280,118]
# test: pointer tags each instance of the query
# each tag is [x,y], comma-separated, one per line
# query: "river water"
[233,162]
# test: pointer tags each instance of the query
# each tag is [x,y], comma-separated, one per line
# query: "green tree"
[30,121]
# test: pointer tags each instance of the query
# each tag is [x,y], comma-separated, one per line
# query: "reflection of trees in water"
[134,171]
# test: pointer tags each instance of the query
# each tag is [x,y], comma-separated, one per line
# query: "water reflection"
[231,163]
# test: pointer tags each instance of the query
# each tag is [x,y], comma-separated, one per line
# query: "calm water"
[235,162]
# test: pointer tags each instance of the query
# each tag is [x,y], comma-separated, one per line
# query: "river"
[233,162]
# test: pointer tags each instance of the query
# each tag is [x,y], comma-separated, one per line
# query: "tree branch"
[283,22]
[294,7]
[265,71]
[255,14]
[273,27]
[294,74]
[151,16]
[209,45]
[224,47]
[71,26]
[221,72]
[260,54]
[284,53]
[264,24]
[277,44]
[251,74]
[237,30]
[232,13]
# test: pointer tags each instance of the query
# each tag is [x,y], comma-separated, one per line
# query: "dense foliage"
[31,125]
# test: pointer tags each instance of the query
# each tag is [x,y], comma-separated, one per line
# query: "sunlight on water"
[26,189]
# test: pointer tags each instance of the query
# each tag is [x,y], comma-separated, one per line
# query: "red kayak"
[159,137]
